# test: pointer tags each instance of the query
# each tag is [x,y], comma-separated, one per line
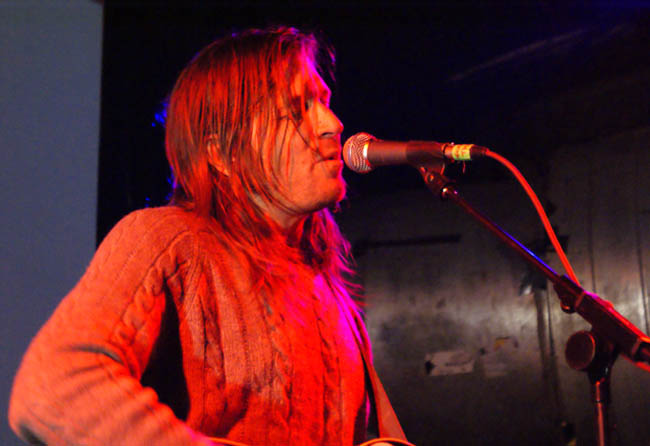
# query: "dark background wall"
[560,88]
[508,75]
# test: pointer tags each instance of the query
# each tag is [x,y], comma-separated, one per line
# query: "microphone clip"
[436,181]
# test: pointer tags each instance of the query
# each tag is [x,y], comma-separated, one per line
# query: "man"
[227,313]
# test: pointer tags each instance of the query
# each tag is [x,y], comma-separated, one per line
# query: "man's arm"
[79,380]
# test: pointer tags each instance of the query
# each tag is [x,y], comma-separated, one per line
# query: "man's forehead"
[309,80]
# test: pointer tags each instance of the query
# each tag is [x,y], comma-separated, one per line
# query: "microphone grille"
[354,154]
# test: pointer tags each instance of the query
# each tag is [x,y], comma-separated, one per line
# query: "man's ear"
[215,157]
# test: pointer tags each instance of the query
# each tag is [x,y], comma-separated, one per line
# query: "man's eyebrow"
[312,91]
[322,92]
[327,92]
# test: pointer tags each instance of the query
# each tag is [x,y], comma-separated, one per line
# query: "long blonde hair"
[216,98]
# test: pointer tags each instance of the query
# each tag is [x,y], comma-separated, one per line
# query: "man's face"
[308,158]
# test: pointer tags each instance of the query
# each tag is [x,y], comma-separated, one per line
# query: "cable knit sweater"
[161,342]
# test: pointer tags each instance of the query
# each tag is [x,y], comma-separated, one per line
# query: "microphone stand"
[592,352]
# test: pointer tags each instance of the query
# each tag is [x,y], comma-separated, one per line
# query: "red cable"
[540,211]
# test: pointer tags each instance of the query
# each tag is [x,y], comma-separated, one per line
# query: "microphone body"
[363,152]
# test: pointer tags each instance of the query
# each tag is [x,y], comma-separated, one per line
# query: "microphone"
[363,152]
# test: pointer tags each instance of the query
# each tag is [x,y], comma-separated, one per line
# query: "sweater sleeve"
[78,382]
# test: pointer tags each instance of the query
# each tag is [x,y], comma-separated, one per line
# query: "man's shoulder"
[159,226]
[165,216]
[162,240]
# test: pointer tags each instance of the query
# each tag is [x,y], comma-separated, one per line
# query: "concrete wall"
[468,341]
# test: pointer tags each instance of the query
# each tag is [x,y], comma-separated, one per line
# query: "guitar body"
[385,441]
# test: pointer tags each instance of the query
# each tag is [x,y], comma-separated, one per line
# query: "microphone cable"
[540,211]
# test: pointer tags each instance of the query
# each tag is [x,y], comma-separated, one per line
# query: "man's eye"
[297,105]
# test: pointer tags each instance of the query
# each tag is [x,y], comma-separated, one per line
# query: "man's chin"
[331,201]
[340,194]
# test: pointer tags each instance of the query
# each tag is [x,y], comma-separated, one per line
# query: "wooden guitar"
[385,441]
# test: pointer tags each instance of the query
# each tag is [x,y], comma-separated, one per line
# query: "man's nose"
[329,124]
